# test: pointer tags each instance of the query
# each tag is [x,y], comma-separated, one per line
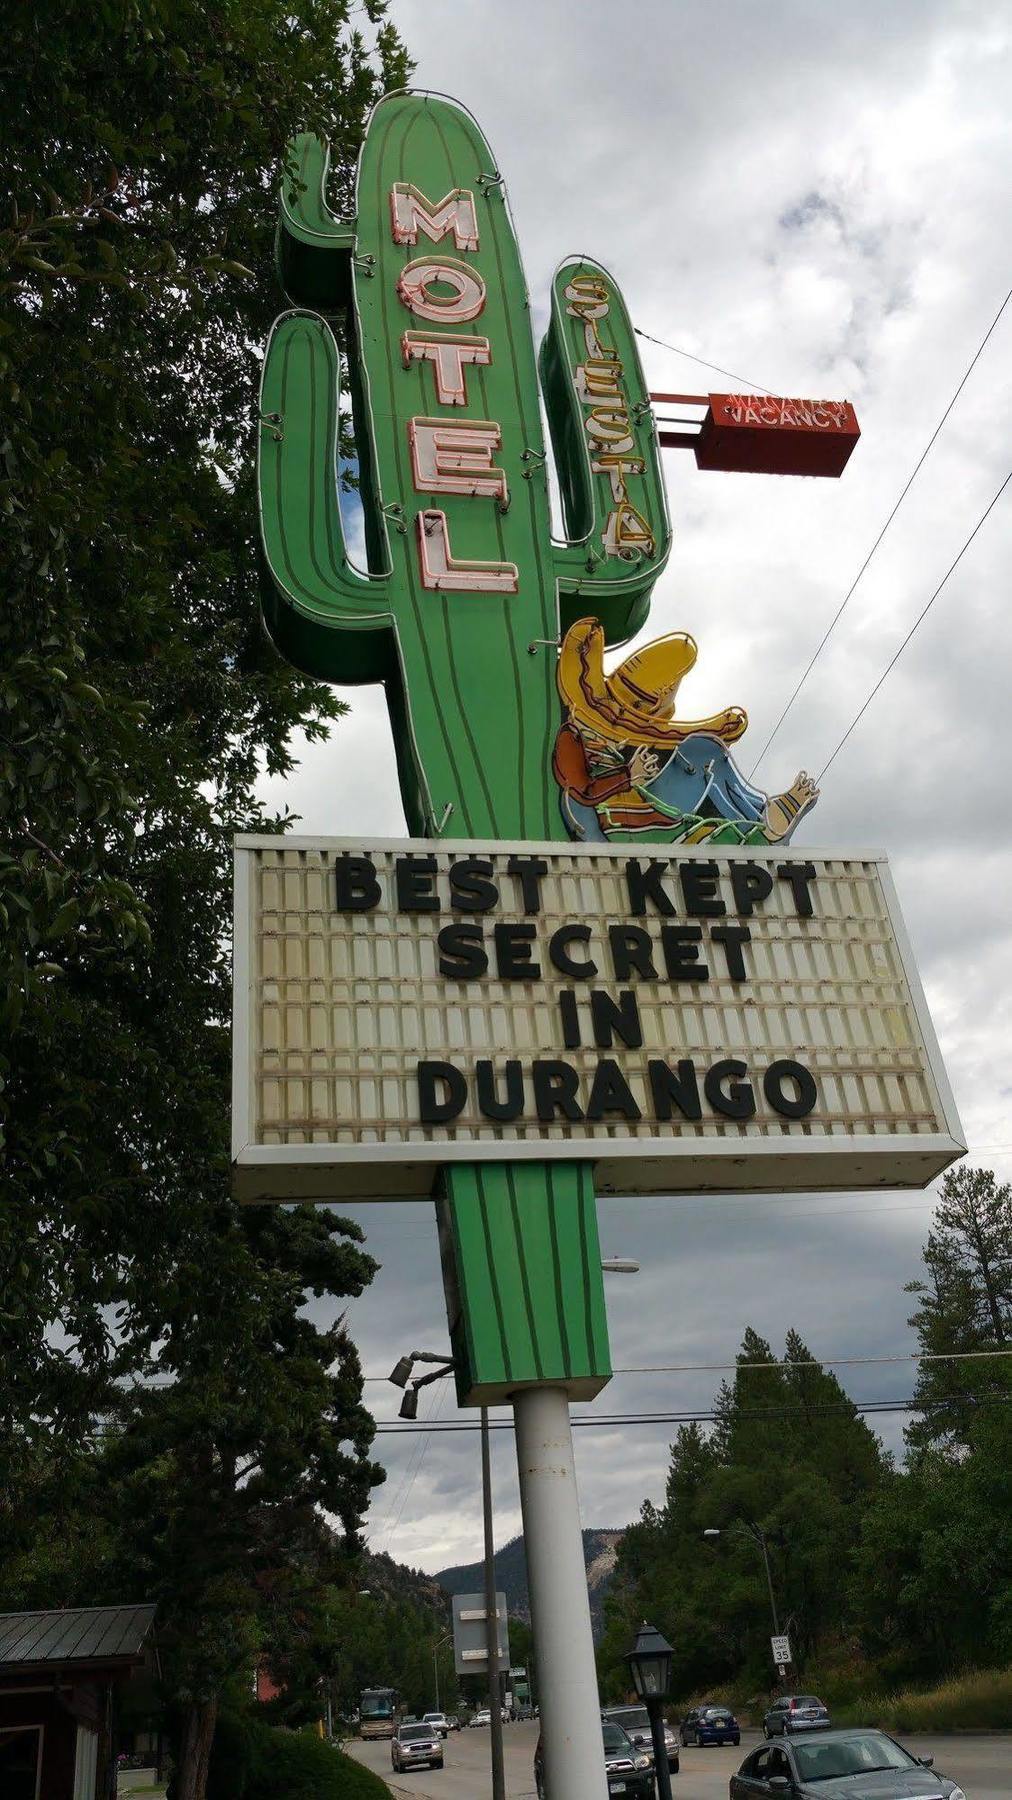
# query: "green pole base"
[523,1282]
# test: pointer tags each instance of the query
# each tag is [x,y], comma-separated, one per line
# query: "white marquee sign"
[744,1021]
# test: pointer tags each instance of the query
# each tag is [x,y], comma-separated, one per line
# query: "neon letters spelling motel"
[456,456]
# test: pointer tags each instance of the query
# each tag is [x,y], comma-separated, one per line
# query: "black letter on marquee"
[415,875]
[357,887]
[701,890]
[681,955]
[471,889]
[644,885]
[513,953]
[439,1112]
[804,1080]
[799,875]
[559,955]
[610,1093]
[631,949]
[751,882]
[609,1016]
[733,937]
[529,870]
[555,1085]
[682,1088]
[464,944]
[571,1035]
[739,1101]
[488,1105]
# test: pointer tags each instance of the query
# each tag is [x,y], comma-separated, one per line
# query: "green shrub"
[233,1754]
[297,1765]
[979,1700]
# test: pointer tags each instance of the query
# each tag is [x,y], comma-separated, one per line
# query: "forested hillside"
[599,1550]
[882,1575]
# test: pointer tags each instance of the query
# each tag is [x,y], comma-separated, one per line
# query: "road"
[981,1764]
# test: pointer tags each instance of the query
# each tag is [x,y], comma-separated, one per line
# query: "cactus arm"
[616,517]
[324,615]
[314,247]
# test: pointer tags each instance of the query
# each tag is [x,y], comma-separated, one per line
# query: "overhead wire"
[701,360]
[813,1362]
[612,1421]
[922,615]
[400,1499]
[922,459]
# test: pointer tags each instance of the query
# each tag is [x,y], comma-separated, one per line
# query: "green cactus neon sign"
[463,575]
[463,580]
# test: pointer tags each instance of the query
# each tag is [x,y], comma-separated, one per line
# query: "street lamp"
[401,1370]
[437,1646]
[758,1536]
[650,1666]
[409,1410]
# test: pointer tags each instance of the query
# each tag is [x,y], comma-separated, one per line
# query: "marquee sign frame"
[663,1164]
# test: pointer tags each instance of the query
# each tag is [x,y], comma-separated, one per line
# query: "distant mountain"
[389,1580]
[599,1548]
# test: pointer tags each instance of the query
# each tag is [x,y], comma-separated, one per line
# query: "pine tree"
[965,1303]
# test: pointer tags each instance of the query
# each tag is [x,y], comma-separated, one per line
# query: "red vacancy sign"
[763,434]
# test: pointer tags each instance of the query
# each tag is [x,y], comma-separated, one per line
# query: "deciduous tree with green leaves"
[144,142]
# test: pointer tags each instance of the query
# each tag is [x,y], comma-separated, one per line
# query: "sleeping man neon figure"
[629,771]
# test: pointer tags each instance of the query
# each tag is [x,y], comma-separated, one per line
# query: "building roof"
[74,1635]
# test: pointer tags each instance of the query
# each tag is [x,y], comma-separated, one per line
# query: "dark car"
[795,1712]
[840,1765]
[629,1770]
[635,1721]
[416,1744]
[710,1725]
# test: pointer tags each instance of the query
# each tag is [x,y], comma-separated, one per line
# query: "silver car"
[635,1721]
[795,1712]
[416,1744]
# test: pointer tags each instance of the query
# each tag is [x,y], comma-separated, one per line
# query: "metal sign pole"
[491,1618]
[570,1714]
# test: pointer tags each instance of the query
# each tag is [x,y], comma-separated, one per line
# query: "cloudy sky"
[815,197]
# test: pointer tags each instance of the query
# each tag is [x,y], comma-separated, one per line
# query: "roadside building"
[59,1676]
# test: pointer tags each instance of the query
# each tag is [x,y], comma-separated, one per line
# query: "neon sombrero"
[635,704]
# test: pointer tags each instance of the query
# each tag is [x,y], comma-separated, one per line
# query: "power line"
[717,370]
[922,615]
[400,1500]
[610,1422]
[814,1362]
[837,616]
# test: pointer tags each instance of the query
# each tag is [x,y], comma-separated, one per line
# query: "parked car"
[630,1771]
[824,1768]
[795,1712]
[412,1744]
[710,1725]
[636,1721]
[439,1722]
[481,1717]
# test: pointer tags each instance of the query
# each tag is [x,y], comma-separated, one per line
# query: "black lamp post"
[650,1665]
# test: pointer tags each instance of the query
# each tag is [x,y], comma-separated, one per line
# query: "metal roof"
[74,1635]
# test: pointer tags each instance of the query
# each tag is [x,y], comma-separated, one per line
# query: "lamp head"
[408,1408]
[650,1664]
[401,1371]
